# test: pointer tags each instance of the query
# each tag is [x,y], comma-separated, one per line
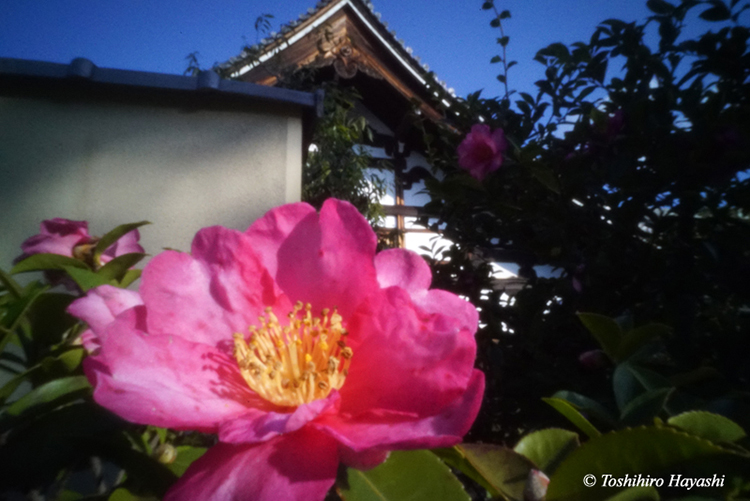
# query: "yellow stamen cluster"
[296,364]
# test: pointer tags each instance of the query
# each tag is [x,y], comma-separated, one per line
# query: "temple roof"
[347,40]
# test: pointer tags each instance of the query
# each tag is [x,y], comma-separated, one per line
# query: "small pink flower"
[72,239]
[481,152]
[593,359]
[296,344]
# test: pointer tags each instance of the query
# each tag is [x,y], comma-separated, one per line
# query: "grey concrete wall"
[112,163]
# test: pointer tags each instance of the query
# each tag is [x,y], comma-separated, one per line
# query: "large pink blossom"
[481,151]
[293,342]
[71,238]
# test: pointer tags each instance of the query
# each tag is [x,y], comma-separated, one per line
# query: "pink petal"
[269,232]
[219,290]
[364,460]
[126,244]
[399,430]
[166,380]
[449,305]
[57,236]
[406,359]
[259,426]
[101,305]
[328,260]
[403,268]
[300,466]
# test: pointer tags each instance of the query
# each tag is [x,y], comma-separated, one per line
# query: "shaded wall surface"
[180,163]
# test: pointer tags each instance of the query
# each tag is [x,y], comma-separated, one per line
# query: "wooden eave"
[347,36]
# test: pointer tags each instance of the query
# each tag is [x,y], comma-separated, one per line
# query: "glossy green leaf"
[122,494]
[116,269]
[87,279]
[63,364]
[604,329]
[456,459]
[625,385]
[185,457]
[113,236]
[643,408]
[547,448]
[505,470]
[11,285]
[636,494]
[633,340]
[587,405]
[709,426]
[130,277]
[573,415]
[413,475]
[18,308]
[629,451]
[72,387]
[40,262]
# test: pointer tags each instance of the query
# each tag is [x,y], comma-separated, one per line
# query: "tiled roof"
[83,71]
[364,7]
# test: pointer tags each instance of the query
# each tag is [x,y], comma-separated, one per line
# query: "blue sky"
[452,36]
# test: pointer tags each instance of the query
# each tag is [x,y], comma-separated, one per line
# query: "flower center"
[296,364]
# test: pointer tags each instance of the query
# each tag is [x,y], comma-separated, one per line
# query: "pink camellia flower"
[71,238]
[481,151]
[296,344]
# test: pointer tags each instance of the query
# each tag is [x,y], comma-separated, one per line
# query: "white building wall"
[112,163]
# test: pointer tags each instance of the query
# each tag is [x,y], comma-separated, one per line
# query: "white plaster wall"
[112,163]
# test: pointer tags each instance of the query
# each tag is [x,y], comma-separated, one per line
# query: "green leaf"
[11,285]
[719,12]
[575,417]
[660,7]
[587,405]
[64,389]
[15,311]
[455,458]
[707,425]
[502,468]
[487,5]
[546,176]
[547,448]
[625,385]
[633,340]
[643,408]
[65,363]
[630,451]
[87,279]
[41,262]
[503,41]
[604,329]
[495,23]
[505,14]
[637,494]
[119,266]
[48,318]
[122,494]
[130,277]
[405,475]
[185,457]
[113,236]
[495,59]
